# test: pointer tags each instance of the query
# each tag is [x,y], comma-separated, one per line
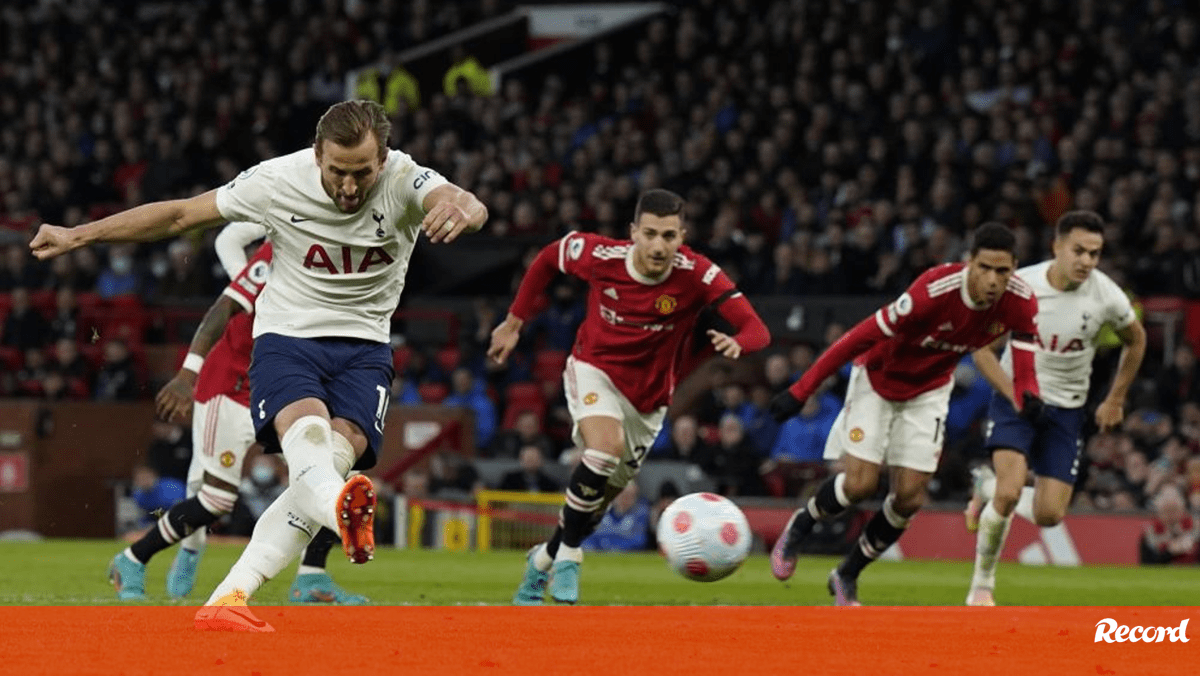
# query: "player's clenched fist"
[444,222]
[51,241]
[724,344]
[504,339]
[784,406]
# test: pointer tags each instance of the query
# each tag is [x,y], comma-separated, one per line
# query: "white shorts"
[896,433]
[590,392]
[222,433]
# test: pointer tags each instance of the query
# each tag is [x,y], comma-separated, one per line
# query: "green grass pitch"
[73,572]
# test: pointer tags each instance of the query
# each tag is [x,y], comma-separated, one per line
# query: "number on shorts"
[639,454]
[384,396]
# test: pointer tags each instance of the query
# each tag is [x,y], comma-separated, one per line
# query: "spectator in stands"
[466,71]
[625,527]
[685,443]
[154,494]
[32,373]
[1169,466]
[467,392]
[117,379]
[182,278]
[1181,381]
[25,327]
[733,461]
[404,392]
[1174,535]
[778,373]
[802,437]
[265,481]
[760,426]
[1136,472]
[530,477]
[170,450]
[557,325]
[19,270]
[64,323]
[450,472]
[526,431]
[73,367]
[121,276]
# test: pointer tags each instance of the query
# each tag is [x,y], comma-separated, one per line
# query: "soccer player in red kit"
[899,392]
[644,299]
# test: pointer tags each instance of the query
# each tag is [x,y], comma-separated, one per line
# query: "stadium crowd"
[824,148]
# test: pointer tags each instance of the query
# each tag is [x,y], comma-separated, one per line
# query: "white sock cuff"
[1024,507]
[566,553]
[600,462]
[839,490]
[319,426]
[309,570]
[889,513]
[343,454]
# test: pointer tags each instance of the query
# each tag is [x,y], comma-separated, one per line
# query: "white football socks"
[993,530]
[318,460]
[281,533]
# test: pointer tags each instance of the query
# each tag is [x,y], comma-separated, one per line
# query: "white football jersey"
[1067,325]
[334,275]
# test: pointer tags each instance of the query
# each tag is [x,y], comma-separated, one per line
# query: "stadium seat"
[43,301]
[433,393]
[548,366]
[400,357]
[521,397]
[448,358]
[10,359]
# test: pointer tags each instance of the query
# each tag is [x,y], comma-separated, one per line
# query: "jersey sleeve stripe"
[239,299]
[882,323]
[562,255]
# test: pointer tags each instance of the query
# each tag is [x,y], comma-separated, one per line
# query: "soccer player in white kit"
[343,218]
[1074,301]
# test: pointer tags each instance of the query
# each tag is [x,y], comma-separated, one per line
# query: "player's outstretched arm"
[174,400]
[1111,412]
[451,211]
[541,271]
[157,220]
[865,335]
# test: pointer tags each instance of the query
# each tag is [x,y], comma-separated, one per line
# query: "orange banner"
[610,640]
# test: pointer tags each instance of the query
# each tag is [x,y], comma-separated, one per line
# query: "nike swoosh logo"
[298,527]
[300,220]
[248,618]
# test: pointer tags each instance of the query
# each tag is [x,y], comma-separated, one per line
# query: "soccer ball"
[704,536]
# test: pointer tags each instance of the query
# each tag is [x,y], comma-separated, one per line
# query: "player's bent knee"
[1004,501]
[351,433]
[1050,518]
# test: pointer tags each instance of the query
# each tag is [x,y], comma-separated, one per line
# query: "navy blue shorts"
[1051,446]
[353,377]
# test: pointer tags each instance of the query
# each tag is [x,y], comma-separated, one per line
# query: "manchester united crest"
[856,435]
[590,398]
[665,304]
[227,459]
[996,328]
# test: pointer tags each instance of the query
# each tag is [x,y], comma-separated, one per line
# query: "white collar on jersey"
[966,295]
[639,277]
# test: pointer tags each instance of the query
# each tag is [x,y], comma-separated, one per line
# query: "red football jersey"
[224,369]
[934,323]
[636,326]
